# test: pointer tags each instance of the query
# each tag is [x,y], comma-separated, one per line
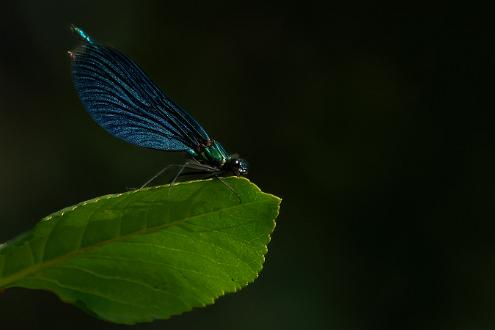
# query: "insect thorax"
[212,154]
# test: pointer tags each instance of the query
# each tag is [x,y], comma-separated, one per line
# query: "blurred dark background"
[370,124]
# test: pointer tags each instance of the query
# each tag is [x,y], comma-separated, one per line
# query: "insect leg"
[228,186]
[158,174]
[179,172]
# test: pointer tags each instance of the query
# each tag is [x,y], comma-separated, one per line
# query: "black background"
[373,125]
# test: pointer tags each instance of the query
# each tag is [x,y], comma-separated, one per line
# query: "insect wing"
[124,101]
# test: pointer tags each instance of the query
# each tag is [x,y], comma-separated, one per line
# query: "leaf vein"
[85,291]
[117,278]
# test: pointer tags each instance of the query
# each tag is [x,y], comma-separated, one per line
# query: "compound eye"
[243,167]
[239,166]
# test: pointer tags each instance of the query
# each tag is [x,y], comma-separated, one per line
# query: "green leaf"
[149,253]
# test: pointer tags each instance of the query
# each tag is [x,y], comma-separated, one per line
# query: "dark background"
[371,125]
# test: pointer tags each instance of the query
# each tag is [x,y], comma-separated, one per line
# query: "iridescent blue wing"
[121,98]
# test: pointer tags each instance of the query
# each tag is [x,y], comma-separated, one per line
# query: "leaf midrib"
[147,230]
